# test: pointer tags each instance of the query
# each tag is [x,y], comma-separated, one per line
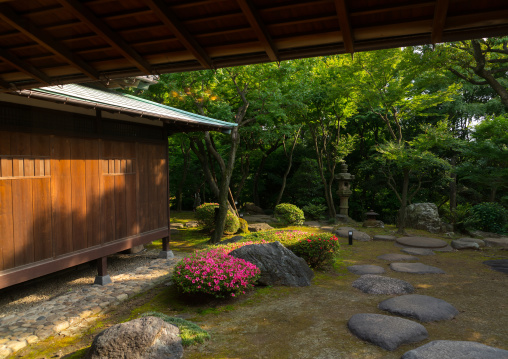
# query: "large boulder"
[278,265]
[423,216]
[259,227]
[144,338]
[253,209]
[497,242]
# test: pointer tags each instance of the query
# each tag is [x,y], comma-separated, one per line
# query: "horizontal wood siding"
[59,195]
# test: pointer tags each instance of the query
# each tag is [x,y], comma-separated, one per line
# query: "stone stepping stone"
[497,242]
[421,307]
[362,269]
[450,349]
[421,242]
[460,244]
[377,284]
[418,251]
[392,257]
[386,331]
[382,237]
[357,235]
[500,265]
[416,268]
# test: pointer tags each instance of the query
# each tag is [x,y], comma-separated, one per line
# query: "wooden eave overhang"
[54,42]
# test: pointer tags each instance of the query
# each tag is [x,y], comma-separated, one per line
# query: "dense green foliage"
[318,250]
[205,214]
[418,124]
[490,217]
[289,214]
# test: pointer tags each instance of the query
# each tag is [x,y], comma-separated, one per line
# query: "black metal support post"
[350,237]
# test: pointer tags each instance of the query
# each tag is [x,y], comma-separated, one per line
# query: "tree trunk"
[200,152]
[403,204]
[227,171]
[288,169]
[245,173]
[453,191]
[255,192]
[493,194]
[186,156]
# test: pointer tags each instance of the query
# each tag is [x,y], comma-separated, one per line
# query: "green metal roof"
[92,97]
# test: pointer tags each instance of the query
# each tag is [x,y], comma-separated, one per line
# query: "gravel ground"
[25,295]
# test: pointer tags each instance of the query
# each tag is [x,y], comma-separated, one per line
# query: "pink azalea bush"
[317,249]
[216,273]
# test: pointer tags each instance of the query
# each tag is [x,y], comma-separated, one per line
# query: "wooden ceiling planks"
[61,41]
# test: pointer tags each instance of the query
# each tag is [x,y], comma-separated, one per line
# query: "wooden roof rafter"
[24,67]
[47,41]
[113,39]
[438,25]
[165,14]
[254,19]
[345,26]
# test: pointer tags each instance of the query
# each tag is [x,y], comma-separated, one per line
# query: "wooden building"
[83,174]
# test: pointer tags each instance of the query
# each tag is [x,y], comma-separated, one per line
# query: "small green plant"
[488,216]
[205,214]
[317,249]
[244,226]
[189,332]
[289,214]
[214,272]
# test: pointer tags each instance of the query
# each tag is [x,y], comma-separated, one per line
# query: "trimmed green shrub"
[244,226]
[317,249]
[289,214]
[314,211]
[205,214]
[189,332]
[488,216]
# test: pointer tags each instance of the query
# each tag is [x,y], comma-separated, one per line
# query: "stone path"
[390,332]
[71,313]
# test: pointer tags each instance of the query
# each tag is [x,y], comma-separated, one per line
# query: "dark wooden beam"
[4,84]
[164,13]
[345,27]
[24,67]
[86,16]
[42,37]
[439,20]
[255,20]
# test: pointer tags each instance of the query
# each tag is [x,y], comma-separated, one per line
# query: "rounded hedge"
[317,250]
[205,214]
[289,214]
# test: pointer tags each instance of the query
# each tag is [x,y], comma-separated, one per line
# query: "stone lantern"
[372,221]
[344,191]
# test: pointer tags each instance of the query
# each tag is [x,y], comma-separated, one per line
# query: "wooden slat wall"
[59,195]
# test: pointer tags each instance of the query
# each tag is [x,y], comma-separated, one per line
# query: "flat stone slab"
[377,284]
[386,331]
[397,257]
[500,265]
[419,251]
[497,242]
[450,349]
[460,244]
[357,235]
[365,269]
[382,237]
[421,307]
[421,242]
[416,268]
[480,242]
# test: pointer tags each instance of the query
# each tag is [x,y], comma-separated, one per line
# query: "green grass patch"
[189,332]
